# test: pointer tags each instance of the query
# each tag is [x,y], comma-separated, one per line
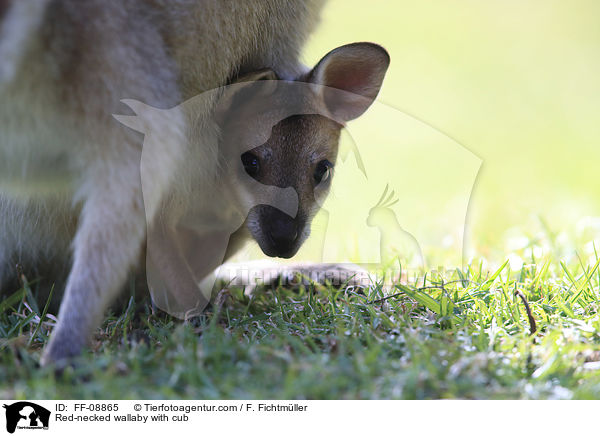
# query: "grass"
[517,86]
[466,338]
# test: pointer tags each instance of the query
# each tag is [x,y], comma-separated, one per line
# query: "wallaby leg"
[3,271]
[107,244]
[4,246]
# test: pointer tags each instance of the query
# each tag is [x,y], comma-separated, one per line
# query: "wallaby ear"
[264,74]
[245,87]
[359,70]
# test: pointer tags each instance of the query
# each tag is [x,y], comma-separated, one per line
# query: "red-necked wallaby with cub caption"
[72,201]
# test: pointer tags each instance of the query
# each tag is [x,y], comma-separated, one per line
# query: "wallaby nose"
[282,230]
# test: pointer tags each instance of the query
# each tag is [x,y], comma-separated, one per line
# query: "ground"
[464,334]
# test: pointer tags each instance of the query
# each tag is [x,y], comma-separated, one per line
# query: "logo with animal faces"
[399,191]
[25,415]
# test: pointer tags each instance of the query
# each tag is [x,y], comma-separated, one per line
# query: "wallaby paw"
[61,353]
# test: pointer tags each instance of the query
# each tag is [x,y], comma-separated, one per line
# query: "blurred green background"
[517,83]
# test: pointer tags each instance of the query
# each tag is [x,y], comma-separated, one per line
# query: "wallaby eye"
[323,171]
[251,163]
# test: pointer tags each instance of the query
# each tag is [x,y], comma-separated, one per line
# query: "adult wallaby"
[71,190]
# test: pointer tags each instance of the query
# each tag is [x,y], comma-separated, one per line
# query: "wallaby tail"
[19,23]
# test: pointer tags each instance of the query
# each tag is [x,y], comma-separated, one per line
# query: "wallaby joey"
[83,191]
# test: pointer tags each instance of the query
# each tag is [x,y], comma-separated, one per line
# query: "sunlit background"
[509,84]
